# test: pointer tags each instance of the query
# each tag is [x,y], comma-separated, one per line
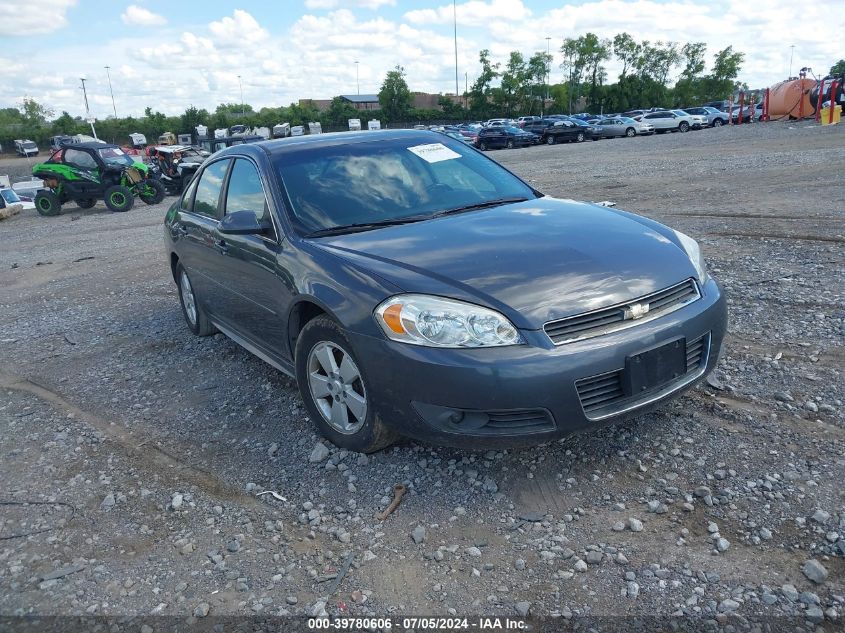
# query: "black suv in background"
[538,126]
[503,136]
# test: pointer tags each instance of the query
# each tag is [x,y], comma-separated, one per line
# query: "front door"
[258,292]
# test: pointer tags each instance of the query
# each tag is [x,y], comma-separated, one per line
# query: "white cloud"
[34,17]
[333,4]
[139,16]
[170,69]
[476,13]
[238,30]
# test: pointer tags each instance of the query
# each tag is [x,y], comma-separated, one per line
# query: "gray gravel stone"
[635,524]
[418,534]
[318,453]
[814,570]
[522,608]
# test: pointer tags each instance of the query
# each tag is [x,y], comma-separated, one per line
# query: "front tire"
[194,315]
[683,126]
[119,198]
[509,145]
[718,123]
[580,137]
[47,203]
[630,132]
[550,140]
[482,147]
[334,389]
[154,193]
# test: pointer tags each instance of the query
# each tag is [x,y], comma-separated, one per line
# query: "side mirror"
[243,223]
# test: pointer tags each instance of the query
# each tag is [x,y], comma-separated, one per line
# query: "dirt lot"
[159,442]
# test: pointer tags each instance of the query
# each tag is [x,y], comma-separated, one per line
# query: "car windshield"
[28,145]
[9,196]
[680,112]
[346,187]
[114,156]
[512,129]
[625,119]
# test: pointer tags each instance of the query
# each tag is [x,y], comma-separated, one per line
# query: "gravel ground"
[723,508]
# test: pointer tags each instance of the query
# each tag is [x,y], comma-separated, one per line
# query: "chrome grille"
[603,395]
[606,320]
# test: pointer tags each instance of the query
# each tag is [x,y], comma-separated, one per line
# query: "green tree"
[340,111]
[193,117]
[688,88]
[627,51]
[480,93]
[583,61]
[451,109]
[838,69]
[721,81]
[394,96]
[35,114]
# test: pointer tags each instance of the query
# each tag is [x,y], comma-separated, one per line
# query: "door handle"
[221,246]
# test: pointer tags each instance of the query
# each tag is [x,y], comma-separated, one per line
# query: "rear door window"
[207,198]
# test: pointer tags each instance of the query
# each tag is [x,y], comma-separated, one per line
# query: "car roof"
[165,149]
[279,146]
[91,145]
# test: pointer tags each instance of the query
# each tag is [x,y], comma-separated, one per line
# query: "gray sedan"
[624,126]
[414,287]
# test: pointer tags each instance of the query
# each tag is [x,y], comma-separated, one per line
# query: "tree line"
[519,87]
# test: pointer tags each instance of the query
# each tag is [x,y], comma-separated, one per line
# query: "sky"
[170,55]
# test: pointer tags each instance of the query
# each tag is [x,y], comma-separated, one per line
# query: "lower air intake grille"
[602,395]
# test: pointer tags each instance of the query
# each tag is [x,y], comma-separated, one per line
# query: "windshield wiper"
[479,205]
[366,226]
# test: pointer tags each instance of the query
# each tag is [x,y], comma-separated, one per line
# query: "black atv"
[87,172]
[175,165]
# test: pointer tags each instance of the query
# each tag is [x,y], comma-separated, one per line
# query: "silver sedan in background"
[624,126]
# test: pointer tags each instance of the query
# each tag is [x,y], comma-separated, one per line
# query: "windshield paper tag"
[434,152]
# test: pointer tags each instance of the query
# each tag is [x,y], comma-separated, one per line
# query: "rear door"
[195,234]
[258,293]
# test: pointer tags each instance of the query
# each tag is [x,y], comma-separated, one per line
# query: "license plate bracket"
[655,367]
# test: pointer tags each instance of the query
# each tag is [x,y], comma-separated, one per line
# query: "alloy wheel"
[337,388]
[188,300]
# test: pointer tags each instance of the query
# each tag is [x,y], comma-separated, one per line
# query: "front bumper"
[526,394]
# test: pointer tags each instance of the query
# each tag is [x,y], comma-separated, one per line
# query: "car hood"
[535,261]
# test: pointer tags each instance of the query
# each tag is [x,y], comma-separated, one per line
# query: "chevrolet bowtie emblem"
[636,311]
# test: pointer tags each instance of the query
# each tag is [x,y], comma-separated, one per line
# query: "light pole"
[357,83]
[114,108]
[87,109]
[548,65]
[791,53]
[455,22]
[240,84]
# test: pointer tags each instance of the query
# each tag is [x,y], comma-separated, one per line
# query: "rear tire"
[334,388]
[86,203]
[47,203]
[198,323]
[119,198]
[550,140]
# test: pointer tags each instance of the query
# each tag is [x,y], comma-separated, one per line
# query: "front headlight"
[693,251]
[438,322]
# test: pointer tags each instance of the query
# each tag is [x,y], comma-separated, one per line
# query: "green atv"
[87,172]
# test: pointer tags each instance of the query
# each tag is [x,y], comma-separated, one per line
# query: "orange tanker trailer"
[791,98]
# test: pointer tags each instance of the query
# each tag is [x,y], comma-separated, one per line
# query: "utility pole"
[548,66]
[114,108]
[87,109]
[357,83]
[242,95]
[455,21]
[791,53]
